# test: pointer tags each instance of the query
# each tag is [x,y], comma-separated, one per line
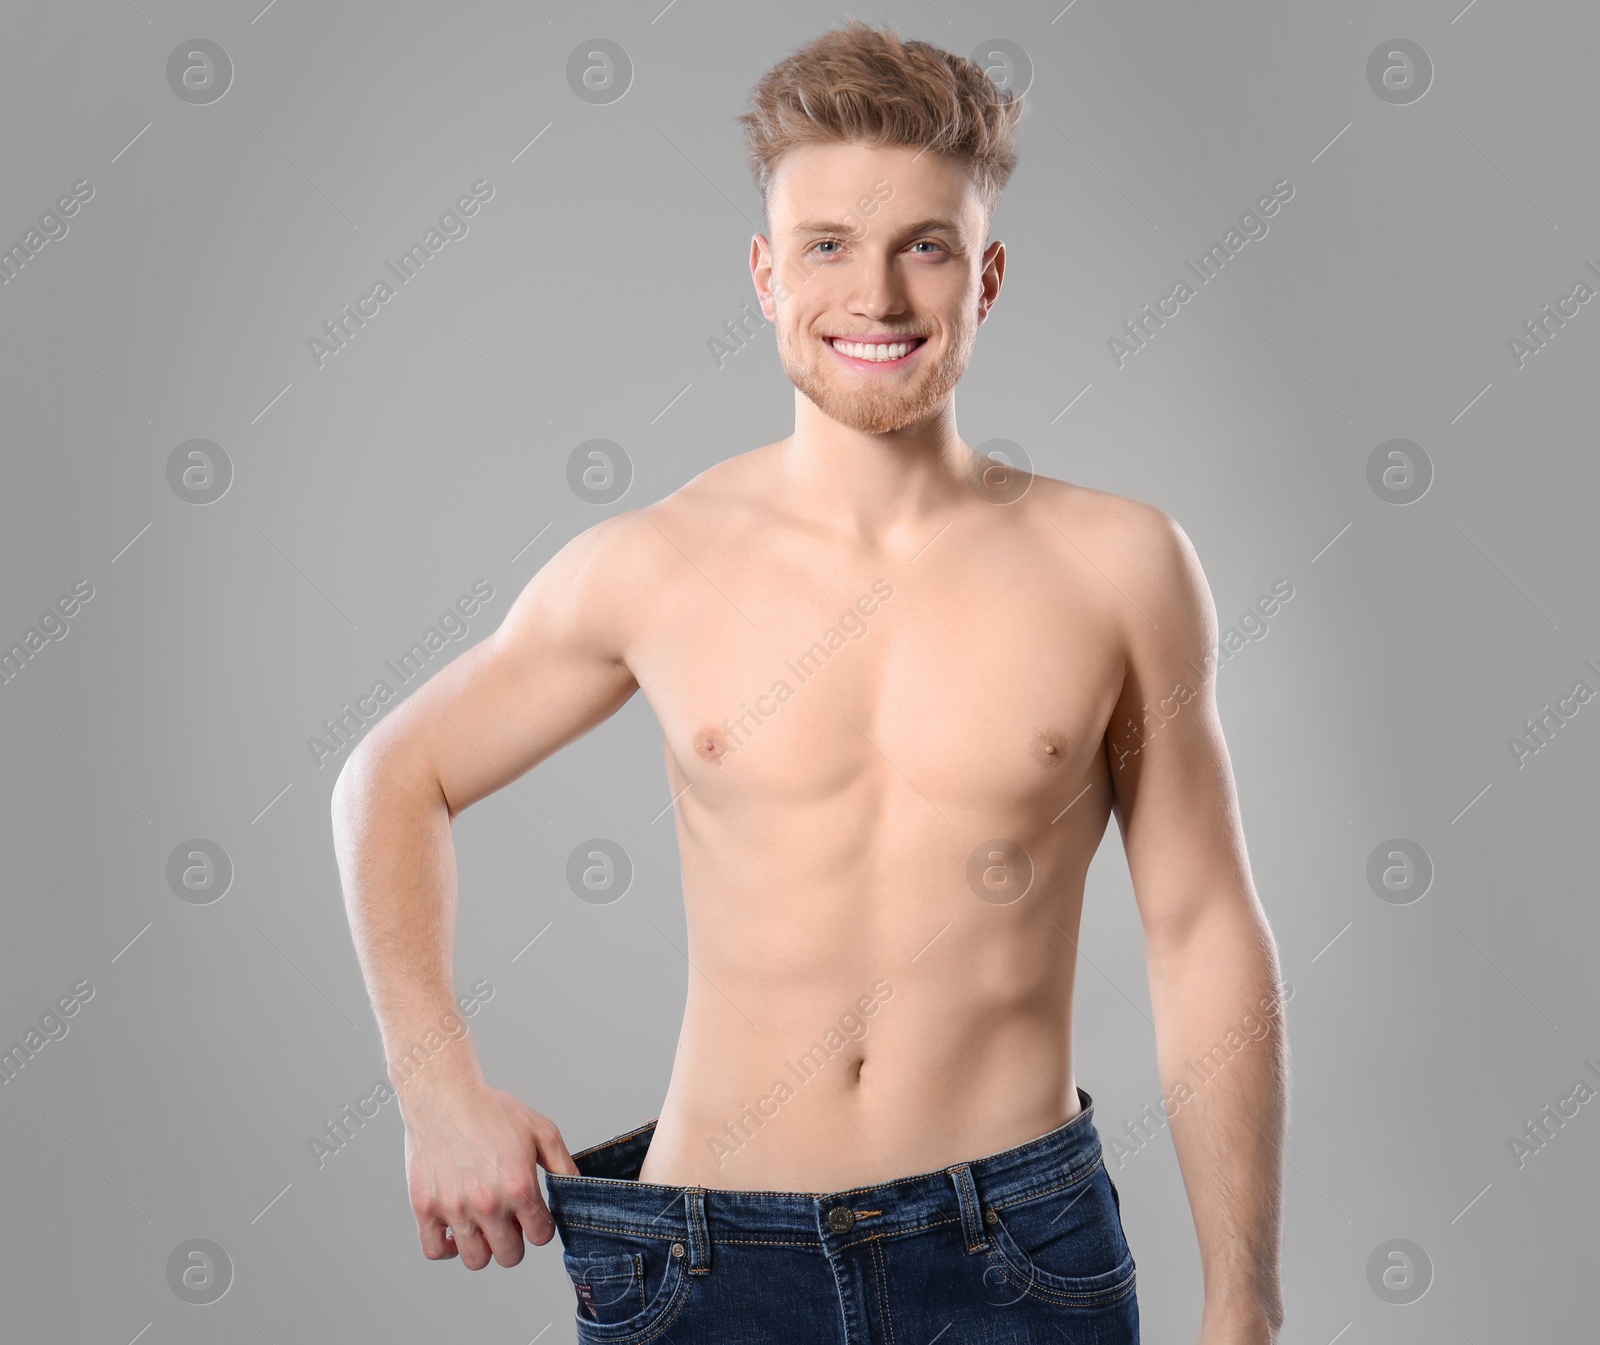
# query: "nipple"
[1050,747]
[706,746]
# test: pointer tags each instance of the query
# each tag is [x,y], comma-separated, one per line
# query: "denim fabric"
[1019,1246]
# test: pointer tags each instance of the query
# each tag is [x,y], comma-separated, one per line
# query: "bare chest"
[987,679]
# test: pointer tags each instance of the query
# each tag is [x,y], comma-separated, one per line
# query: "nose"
[878,292]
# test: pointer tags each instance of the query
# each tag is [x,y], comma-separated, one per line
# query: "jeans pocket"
[1064,1245]
[628,1286]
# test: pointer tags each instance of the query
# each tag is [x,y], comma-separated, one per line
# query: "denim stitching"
[883,1236]
[654,1234]
[678,1237]
[967,1199]
[883,1289]
[651,1330]
[1065,1297]
[659,1236]
[1033,1193]
[886,1234]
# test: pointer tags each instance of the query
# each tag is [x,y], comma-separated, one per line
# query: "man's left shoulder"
[1133,541]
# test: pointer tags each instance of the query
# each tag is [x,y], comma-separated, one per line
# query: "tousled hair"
[858,84]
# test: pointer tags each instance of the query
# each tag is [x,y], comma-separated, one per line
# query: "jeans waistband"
[607,1194]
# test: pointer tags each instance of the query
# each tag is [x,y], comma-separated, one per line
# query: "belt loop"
[971,1213]
[699,1235]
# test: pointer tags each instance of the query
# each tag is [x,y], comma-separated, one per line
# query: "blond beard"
[875,410]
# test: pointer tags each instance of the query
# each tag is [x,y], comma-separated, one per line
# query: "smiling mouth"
[875,349]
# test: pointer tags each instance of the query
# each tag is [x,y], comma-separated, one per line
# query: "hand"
[472,1159]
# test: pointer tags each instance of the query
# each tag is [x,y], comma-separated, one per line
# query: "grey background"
[431,452]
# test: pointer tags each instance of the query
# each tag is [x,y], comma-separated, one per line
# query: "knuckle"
[521,1184]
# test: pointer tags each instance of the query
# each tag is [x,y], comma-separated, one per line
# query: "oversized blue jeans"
[1019,1246]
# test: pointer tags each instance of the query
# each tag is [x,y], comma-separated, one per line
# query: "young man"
[902,692]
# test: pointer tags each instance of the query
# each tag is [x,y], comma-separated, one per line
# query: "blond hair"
[858,84]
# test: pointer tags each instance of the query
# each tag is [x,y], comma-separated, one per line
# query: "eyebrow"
[933,224]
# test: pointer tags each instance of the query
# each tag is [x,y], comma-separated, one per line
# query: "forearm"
[392,840]
[1223,1059]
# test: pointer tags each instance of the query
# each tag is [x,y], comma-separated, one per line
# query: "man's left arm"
[1214,980]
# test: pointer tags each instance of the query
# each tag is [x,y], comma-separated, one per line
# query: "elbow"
[362,771]
[380,773]
[354,774]
[1231,924]
[344,782]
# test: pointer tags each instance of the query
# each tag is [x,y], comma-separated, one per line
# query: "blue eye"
[838,243]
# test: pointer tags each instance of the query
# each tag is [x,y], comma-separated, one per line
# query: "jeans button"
[840,1219]
[677,1249]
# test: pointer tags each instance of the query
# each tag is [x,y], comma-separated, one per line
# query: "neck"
[878,489]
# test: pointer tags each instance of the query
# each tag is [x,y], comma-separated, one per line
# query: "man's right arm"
[552,671]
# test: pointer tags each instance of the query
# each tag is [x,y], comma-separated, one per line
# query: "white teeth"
[875,352]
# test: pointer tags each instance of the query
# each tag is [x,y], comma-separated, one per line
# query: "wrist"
[442,1059]
[1253,1323]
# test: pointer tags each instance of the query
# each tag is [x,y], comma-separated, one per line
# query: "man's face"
[872,242]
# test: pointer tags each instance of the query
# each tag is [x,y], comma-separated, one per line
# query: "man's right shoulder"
[627,557]
[715,500]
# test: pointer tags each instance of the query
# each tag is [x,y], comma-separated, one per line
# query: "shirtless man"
[902,691]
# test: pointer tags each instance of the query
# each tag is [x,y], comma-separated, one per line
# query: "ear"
[991,277]
[761,276]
